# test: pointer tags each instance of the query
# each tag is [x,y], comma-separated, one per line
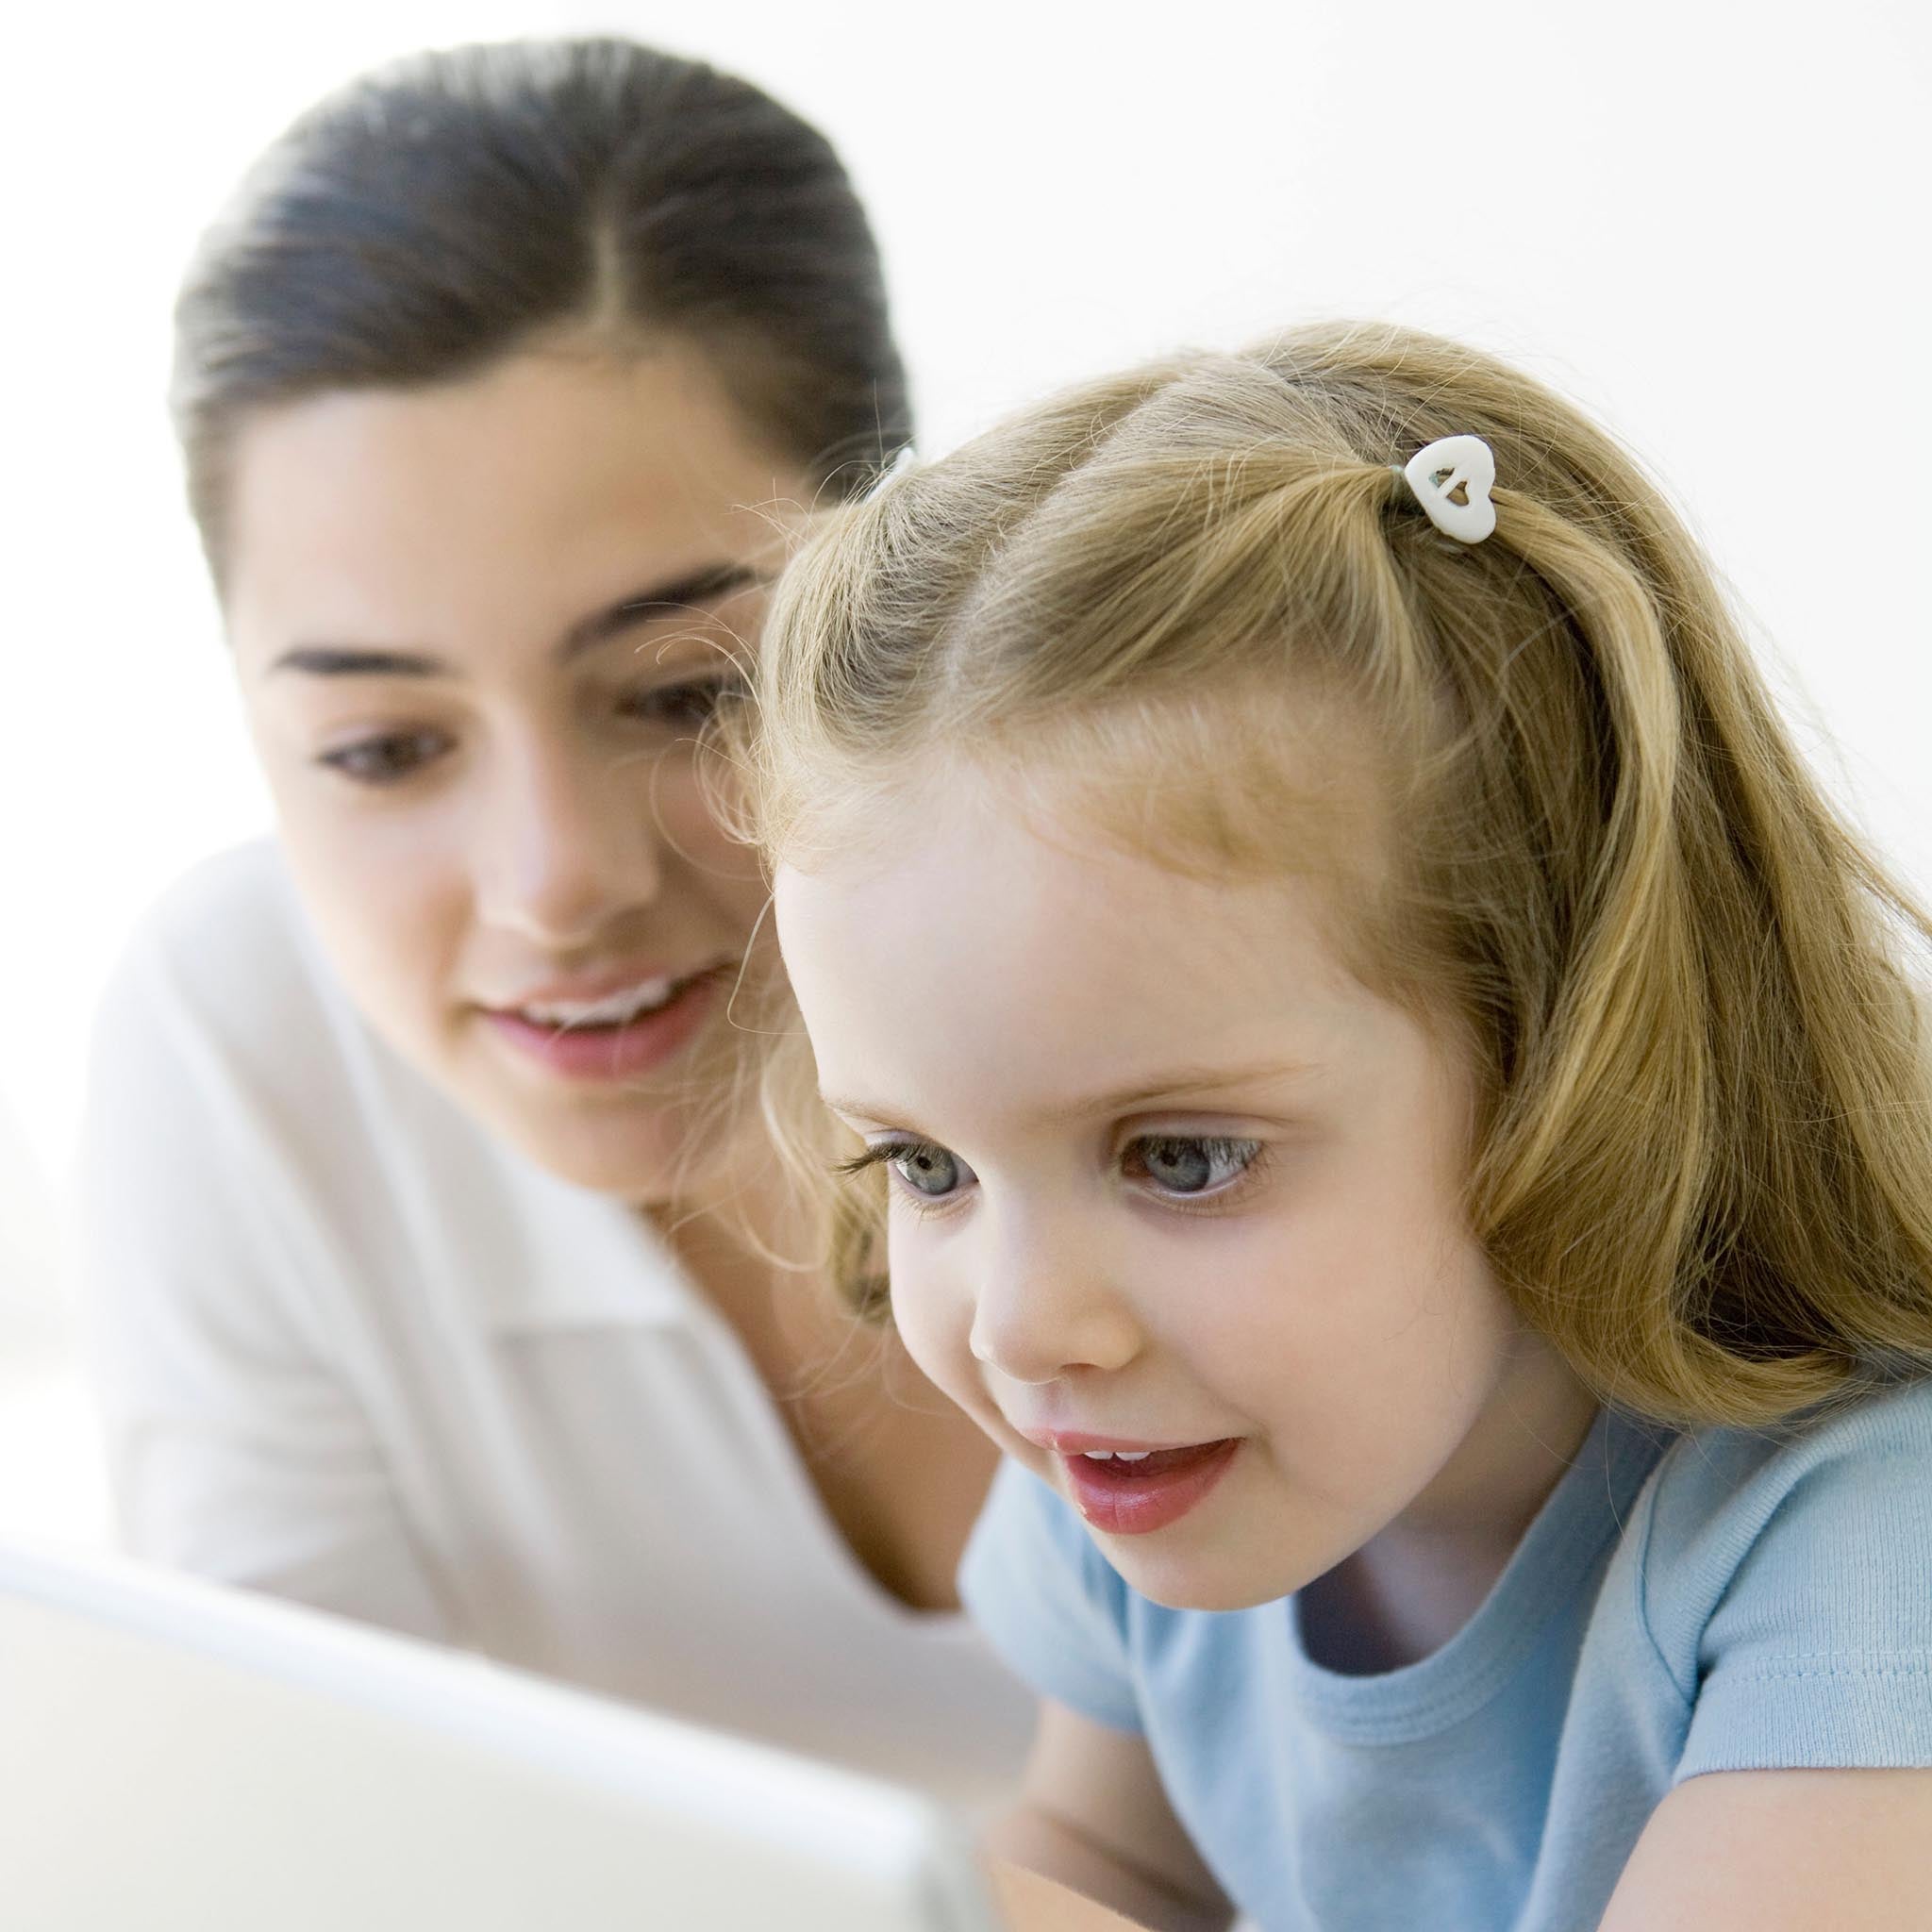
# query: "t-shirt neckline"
[1588,1509]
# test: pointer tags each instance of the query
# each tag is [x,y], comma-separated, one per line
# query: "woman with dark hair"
[442,1275]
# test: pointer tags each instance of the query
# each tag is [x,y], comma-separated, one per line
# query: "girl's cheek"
[933,1323]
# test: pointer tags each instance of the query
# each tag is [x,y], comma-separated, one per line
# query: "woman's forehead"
[526,498]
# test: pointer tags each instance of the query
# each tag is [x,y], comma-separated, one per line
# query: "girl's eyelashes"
[1191,1167]
[386,758]
[926,1173]
[1181,1169]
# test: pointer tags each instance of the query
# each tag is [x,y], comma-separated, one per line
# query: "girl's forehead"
[981,945]
[1228,841]
[1252,781]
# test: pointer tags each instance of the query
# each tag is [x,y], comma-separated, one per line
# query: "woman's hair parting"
[460,206]
[1702,1164]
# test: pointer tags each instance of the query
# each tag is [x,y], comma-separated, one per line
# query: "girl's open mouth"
[1132,1492]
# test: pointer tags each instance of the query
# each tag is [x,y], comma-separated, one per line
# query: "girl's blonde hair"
[1703,1165]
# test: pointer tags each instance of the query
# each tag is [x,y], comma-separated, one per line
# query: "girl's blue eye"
[1187,1164]
[386,758]
[928,1169]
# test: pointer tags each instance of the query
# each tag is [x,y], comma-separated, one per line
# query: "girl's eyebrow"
[1173,1084]
[684,592]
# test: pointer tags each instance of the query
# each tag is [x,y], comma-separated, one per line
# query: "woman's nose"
[568,844]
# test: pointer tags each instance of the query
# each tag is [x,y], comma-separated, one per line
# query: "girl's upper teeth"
[1117,1454]
[614,1009]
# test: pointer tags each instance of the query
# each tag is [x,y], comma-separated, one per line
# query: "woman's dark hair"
[458,205]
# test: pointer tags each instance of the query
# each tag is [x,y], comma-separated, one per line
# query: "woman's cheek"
[681,806]
[391,894]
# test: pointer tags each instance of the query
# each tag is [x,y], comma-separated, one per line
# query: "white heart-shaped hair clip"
[903,459]
[1452,479]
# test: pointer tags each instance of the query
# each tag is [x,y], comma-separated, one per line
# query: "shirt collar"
[531,1253]
[592,1262]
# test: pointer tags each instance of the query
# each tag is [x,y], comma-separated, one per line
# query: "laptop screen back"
[183,1758]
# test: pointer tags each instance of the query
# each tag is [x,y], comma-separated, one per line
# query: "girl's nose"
[1048,1312]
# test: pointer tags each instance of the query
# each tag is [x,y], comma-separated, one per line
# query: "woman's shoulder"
[231,1077]
[222,1011]
[227,940]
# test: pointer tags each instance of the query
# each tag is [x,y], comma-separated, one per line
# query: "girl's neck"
[1408,1590]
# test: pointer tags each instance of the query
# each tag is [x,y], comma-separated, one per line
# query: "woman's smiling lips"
[1126,1487]
[614,1027]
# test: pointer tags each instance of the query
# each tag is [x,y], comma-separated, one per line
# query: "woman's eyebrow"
[354,660]
[685,592]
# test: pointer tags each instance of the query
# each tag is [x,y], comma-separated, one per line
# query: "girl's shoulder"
[1713,1487]
[1781,1556]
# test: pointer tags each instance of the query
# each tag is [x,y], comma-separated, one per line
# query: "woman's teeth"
[614,1010]
[1117,1454]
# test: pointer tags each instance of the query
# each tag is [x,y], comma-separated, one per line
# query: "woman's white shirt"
[356,1352]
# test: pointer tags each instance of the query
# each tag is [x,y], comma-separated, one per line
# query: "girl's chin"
[1213,1577]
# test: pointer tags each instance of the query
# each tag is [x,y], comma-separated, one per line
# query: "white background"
[1707,221]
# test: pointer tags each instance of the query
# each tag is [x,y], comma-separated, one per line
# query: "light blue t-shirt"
[1724,1601]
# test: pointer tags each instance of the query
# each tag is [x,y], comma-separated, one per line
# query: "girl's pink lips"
[592,1054]
[1132,1498]
[1073,1442]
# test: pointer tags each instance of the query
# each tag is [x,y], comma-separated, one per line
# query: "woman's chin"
[651,1139]
[648,1152]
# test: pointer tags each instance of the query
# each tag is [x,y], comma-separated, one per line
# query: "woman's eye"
[930,1170]
[1189,1164]
[685,707]
[386,757]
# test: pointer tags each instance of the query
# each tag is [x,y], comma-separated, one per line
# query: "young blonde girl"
[1404,1113]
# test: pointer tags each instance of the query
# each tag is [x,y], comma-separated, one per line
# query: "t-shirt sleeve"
[1815,1566]
[1050,1603]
